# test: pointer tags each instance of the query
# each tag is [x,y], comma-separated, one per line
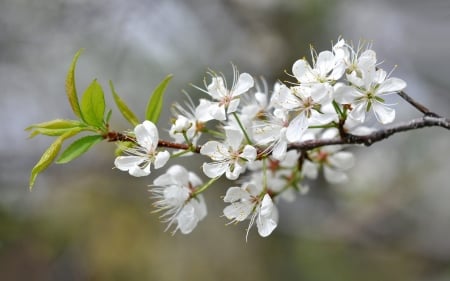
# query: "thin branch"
[417,105]
[367,140]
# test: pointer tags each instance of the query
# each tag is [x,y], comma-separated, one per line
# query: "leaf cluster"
[92,117]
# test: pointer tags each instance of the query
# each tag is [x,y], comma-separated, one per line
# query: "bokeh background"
[86,221]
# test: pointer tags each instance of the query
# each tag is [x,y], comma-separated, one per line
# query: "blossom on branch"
[137,163]
[230,157]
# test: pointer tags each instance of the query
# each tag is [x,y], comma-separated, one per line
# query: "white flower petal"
[301,69]
[217,111]
[249,153]
[216,89]
[175,195]
[200,206]
[342,160]
[334,176]
[137,171]
[235,193]
[345,94]
[279,150]
[237,170]
[161,159]
[325,62]
[358,113]
[124,163]
[267,219]
[233,105]
[238,211]
[234,137]
[214,169]
[147,135]
[391,85]
[383,113]
[194,179]
[310,170]
[297,128]
[216,150]
[202,111]
[187,219]
[244,83]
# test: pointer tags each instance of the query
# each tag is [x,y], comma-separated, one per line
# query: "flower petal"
[249,153]
[161,159]
[267,219]
[214,169]
[233,106]
[216,89]
[296,128]
[124,163]
[137,171]
[279,150]
[187,219]
[234,137]
[238,211]
[215,150]
[342,160]
[244,83]
[147,135]
[334,176]
[301,70]
[383,113]
[391,85]
[235,193]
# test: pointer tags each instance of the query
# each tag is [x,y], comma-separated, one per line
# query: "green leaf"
[55,127]
[124,109]
[78,147]
[48,156]
[53,132]
[93,105]
[154,105]
[71,90]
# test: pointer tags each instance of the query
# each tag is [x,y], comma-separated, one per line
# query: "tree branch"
[417,105]
[367,140]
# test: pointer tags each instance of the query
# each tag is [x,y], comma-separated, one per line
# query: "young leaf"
[71,90]
[56,124]
[124,109]
[155,103]
[78,147]
[93,105]
[53,132]
[48,156]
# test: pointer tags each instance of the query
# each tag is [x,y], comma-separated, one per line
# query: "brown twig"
[430,119]
[367,140]
[417,105]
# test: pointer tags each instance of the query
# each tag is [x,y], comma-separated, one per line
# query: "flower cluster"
[251,133]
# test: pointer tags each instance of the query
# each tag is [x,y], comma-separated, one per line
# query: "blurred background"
[86,221]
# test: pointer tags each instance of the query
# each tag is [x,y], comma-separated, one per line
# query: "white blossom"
[367,92]
[230,157]
[174,191]
[249,201]
[137,163]
[226,100]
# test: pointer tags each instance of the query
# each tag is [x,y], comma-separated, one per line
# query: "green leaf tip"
[71,89]
[155,103]
[49,155]
[123,107]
